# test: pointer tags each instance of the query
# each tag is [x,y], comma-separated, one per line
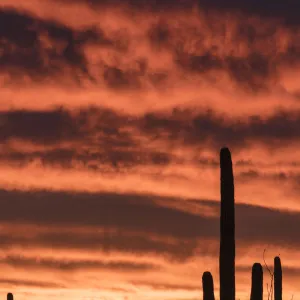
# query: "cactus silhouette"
[227,247]
[227,228]
[10,296]
[277,279]
[257,282]
[208,286]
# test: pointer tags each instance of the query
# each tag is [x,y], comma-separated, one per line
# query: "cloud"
[117,78]
[107,211]
[122,241]
[266,8]
[39,126]
[43,49]
[144,4]
[235,47]
[252,72]
[284,10]
[101,150]
[29,283]
[216,131]
[121,136]
[71,265]
[122,59]
[165,286]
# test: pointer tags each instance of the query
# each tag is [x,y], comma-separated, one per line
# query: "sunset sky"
[112,116]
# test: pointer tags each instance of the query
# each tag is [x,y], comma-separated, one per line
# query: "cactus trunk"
[257,282]
[227,228]
[277,279]
[208,286]
[10,296]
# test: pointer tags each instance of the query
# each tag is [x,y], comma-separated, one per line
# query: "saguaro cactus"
[208,286]
[277,279]
[227,229]
[257,282]
[10,296]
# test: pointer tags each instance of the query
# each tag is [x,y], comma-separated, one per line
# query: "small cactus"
[277,279]
[10,296]
[257,282]
[208,286]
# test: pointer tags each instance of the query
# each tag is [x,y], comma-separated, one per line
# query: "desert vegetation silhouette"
[227,248]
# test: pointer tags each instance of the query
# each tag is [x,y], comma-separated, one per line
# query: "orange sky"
[112,114]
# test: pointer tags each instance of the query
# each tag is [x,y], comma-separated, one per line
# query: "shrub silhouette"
[257,282]
[227,228]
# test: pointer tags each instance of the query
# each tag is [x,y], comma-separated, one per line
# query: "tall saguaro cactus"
[257,282]
[227,229]
[208,286]
[277,279]
[10,296]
